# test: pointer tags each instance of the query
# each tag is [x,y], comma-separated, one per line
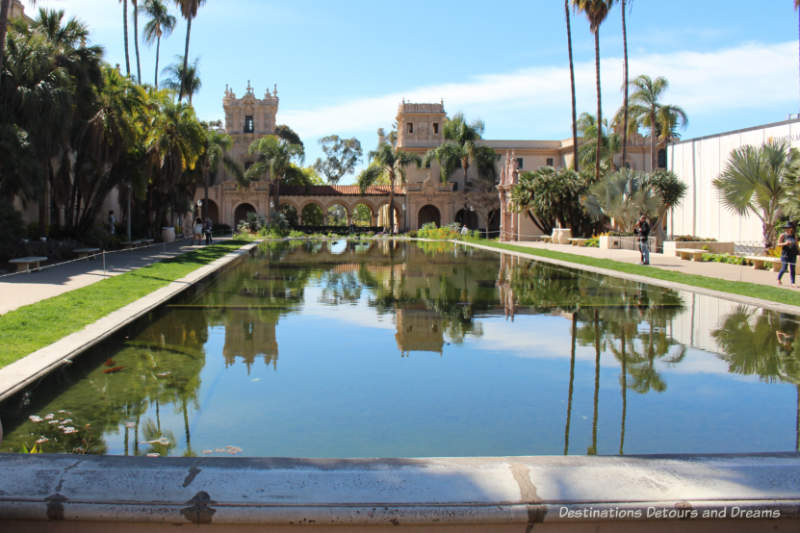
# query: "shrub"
[13,230]
[220,229]
[724,258]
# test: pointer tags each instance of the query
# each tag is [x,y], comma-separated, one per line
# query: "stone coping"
[391,492]
[21,373]
[767,304]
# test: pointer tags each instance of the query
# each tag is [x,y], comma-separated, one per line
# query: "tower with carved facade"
[249,115]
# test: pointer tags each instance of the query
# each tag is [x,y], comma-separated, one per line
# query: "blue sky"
[343,67]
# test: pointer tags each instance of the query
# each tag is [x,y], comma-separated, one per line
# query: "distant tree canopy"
[341,157]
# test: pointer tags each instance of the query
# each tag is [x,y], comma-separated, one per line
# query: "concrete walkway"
[27,288]
[712,270]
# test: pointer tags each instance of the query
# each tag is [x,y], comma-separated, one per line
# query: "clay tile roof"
[336,190]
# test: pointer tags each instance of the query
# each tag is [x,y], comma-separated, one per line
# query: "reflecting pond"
[394,349]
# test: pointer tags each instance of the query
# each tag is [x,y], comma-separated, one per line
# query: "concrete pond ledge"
[749,490]
[21,373]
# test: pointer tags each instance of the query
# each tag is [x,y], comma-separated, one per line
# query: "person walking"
[642,229]
[197,231]
[788,243]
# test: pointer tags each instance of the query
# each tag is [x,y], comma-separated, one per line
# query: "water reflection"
[505,334]
[765,344]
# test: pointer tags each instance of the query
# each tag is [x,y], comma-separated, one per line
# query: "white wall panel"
[698,162]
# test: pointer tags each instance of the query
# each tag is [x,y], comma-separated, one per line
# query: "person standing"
[112,222]
[642,229]
[788,243]
[207,227]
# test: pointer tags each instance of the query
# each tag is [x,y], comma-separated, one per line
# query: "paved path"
[713,270]
[24,289]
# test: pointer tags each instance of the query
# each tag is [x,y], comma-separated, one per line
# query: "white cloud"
[747,76]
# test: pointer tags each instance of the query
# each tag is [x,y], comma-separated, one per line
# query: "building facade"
[422,199]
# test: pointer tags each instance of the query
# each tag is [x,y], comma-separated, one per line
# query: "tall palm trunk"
[593,449]
[391,205]
[158,49]
[624,395]
[625,88]
[125,31]
[186,59]
[5,7]
[599,106]
[571,381]
[572,89]
[205,196]
[652,139]
[278,195]
[136,40]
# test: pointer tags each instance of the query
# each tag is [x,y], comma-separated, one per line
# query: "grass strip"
[742,288]
[35,326]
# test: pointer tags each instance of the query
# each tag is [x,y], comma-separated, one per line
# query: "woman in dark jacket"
[788,242]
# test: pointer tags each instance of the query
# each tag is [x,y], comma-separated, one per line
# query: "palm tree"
[671,191]
[572,90]
[189,11]
[390,163]
[125,34]
[5,10]
[274,161]
[596,11]
[624,86]
[461,149]
[183,78]
[161,23]
[174,143]
[646,111]
[215,155]
[594,137]
[759,181]
[622,196]
[38,99]
[136,39]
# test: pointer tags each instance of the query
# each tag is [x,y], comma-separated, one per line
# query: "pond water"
[390,349]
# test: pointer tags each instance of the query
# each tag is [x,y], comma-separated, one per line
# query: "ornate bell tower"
[420,125]
[248,114]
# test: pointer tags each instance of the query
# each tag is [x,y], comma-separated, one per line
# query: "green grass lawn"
[35,326]
[743,288]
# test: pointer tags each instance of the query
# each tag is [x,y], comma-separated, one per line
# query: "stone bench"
[761,261]
[695,254]
[577,241]
[85,252]
[24,263]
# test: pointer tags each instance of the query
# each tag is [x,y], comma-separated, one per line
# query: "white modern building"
[697,162]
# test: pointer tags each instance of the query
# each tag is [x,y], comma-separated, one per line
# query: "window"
[549,161]
[410,127]
[436,128]
[248,124]
[662,158]
[519,163]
